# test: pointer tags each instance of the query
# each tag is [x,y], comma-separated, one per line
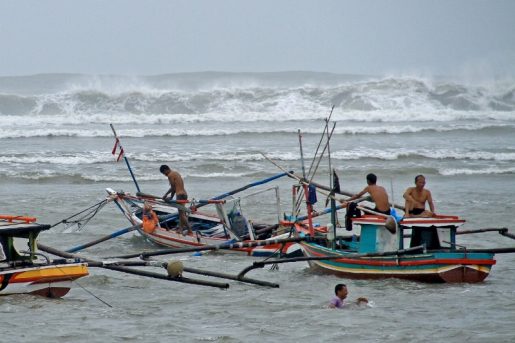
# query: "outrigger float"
[24,271]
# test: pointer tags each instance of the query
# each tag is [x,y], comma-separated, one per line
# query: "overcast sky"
[167,36]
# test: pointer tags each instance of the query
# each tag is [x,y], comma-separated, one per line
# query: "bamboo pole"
[125,158]
[321,139]
[232,277]
[390,222]
[224,246]
[186,269]
[349,194]
[508,250]
[95,263]
[506,234]
[103,239]
[465,232]
[261,264]
[301,155]
[297,206]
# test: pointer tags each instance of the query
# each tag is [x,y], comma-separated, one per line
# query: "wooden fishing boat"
[207,229]
[24,271]
[376,245]
[430,255]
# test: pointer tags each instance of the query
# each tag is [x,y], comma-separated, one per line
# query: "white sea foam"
[406,98]
[50,158]
[477,171]
[98,157]
[235,129]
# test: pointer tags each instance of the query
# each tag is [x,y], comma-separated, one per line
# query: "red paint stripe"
[115,146]
[410,222]
[447,261]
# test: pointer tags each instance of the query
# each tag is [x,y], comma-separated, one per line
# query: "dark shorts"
[181,197]
[417,211]
[387,212]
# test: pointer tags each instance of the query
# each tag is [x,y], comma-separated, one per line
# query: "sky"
[368,37]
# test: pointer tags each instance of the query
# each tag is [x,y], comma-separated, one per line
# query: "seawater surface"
[55,160]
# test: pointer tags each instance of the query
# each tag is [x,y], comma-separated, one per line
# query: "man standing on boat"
[177,189]
[377,193]
[416,198]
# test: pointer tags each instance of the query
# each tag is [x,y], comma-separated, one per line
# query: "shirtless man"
[377,193]
[416,198]
[177,189]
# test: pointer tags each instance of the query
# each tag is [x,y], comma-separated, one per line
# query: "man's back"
[379,196]
[176,182]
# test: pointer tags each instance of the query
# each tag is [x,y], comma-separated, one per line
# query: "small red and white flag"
[116,145]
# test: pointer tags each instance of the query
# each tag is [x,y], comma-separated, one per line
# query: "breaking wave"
[60,177]
[416,99]
[477,171]
[99,157]
[256,128]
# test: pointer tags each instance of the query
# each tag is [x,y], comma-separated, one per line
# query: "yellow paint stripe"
[72,271]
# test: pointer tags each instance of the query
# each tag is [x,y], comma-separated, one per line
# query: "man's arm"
[168,192]
[171,191]
[430,202]
[407,195]
[359,195]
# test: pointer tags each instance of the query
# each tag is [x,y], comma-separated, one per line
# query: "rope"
[83,220]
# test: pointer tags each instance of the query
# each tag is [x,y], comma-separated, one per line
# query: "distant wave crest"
[392,95]
[99,157]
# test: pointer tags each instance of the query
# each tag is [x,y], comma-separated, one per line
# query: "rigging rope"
[82,218]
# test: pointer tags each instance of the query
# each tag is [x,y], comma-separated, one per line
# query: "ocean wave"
[60,176]
[493,170]
[255,128]
[436,118]
[76,178]
[426,100]
[105,157]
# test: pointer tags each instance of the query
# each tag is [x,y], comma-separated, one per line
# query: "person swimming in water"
[341,292]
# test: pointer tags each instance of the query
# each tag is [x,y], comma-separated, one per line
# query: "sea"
[213,127]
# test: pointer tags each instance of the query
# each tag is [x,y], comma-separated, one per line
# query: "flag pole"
[124,157]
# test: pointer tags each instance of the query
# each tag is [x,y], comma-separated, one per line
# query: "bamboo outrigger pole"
[261,264]
[123,269]
[103,238]
[186,269]
[224,246]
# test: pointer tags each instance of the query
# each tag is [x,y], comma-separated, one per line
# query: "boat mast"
[125,158]
[331,180]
